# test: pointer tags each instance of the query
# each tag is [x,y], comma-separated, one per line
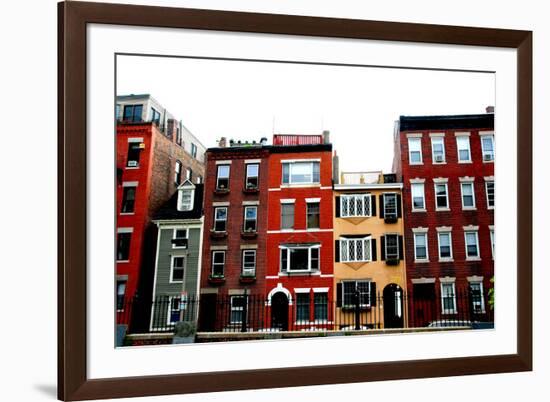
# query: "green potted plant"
[184,332]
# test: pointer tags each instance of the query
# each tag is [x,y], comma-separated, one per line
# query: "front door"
[393,306]
[207,312]
[424,304]
[279,311]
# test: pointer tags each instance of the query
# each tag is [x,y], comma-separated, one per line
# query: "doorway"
[279,311]
[393,306]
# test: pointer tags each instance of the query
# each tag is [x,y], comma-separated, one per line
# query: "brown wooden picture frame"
[73,383]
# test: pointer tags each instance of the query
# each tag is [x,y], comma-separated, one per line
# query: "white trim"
[468,208]
[414,135]
[220,204]
[300,160]
[251,203]
[447,207]
[320,290]
[287,200]
[481,138]
[453,293]
[421,281]
[486,132]
[417,181]
[412,139]
[125,230]
[300,185]
[155,278]
[174,247]
[425,234]
[178,223]
[466,179]
[135,139]
[492,227]
[302,290]
[374,186]
[327,275]
[470,228]
[447,279]
[459,137]
[298,231]
[326,187]
[444,228]
[419,229]
[434,139]
[439,233]
[130,183]
[199,259]
[249,247]
[247,161]
[218,248]
[487,193]
[274,189]
[224,162]
[436,135]
[279,288]
[441,180]
[313,200]
[172,257]
[482,299]
[463,134]
[489,178]
[475,257]
[474,278]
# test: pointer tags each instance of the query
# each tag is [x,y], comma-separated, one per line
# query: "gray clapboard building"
[178,257]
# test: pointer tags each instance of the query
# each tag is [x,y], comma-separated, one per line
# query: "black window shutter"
[382,248]
[339,294]
[381,196]
[373,294]
[337,206]
[398,205]
[373,205]
[337,250]
[373,249]
[401,247]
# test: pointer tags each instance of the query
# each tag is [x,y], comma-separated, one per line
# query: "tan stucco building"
[369,268]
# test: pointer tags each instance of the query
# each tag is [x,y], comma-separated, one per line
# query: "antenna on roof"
[273,125]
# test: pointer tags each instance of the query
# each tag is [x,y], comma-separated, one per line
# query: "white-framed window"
[123,246]
[302,307]
[463,148]
[189,174]
[348,293]
[249,263]
[441,196]
[300,258]
[313,211]
[476,297]
[488,147]
[355,205]
[237,309]
[177,268]
[193,150]
[415,151]
[391,246]
[320,305]
[301,172]
[174,310]
[218,263]
[448,298]
[490,192]
[472,244]
[128,199]
[250,219]
[468,195]
[222,177]
[186,198]
[252,175]
[287,216]
[390,205]
[177,173]
[438,150]
[492,235]
[220,219]
[445,242]
[120,294]
[417,194]
[421,246]
[179,238]
[355,249]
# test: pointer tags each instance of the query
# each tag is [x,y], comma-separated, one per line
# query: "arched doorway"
[279,311]
[393,306]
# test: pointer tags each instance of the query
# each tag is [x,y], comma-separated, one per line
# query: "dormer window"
[186,196]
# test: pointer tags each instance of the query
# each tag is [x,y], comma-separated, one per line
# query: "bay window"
[355,205]
[301,172]
[355,249]
[299,258]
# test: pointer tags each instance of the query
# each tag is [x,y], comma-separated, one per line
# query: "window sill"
[127,213]
[175,282]
[464,162]
[313,229]
[439,163]
[446,260]
[249,235]
[442,209]
[469,208]
[419,210]
[416,163]
[298,273]
[421,261]
[216,280]
[473,258]
[217,235]
[491,161]
[132,167]
[491,208]
[122,261]
[221,191]
[287,185]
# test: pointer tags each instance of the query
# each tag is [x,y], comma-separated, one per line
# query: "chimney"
[335,168]
[263,141]
[326,137]
[490,109]
[223,142]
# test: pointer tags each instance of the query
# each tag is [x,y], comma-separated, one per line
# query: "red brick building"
[300,244]
[153,157]
[446,164]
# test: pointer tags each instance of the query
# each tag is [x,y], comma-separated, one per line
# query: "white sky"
[248,100]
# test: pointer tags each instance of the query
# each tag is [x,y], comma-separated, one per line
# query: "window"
[390,205]
[417,192]
[132,113]
[355,205]
[472,244]
[252,171]
[476,297]
[349,289]
[186,198]
[177,174]
[300,258]
[391,246]
[468,196]
[302,306]
[199,179]
[220,219]
[237,309]
[488,148]
[250,219]
[222,180]
[177,269]
[123,246]
[463,146]
[134,151]
[193,150]
[155,116]
[178,136]
[249,263]
[445,245]
[320,301]
[188,174]
[174,313]
[441,196]
[421,246]
[490,191]
[312,212]
[179,238]
[438,150]
[492,234]
[448,298]
[415,151]
[117,112]
[120,292]
[287,216]
[300,172]
[128,199]
[218,263]
[355,250]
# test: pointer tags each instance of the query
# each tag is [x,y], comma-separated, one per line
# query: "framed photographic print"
[253,200]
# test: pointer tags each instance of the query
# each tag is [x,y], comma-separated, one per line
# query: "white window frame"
[220,220]
[443,309]
[418,185]
[441,140]
[467,139]
[425,235]
[487,182]
[172,259]
[356,282]
[363,241]
[247,176]
[484,151]
[247,270]
[418,140]
[308,203]
[480,283]
[235,308]
[286,249]
[447,207]
[283,204]
[468,183]
[492,238]
[218,168]
[393,214]
[293,163]
[364,199]
[181,205]
[174,237]
[398,256]
[169,315]
[439,234]
[476,257]
[214,252]
[177,170]
[254,207]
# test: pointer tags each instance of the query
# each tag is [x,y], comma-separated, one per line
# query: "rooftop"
[445,122]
